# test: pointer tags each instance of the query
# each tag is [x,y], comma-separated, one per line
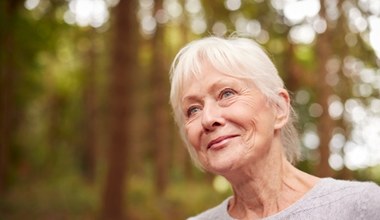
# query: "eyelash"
[190,109]
[224,91]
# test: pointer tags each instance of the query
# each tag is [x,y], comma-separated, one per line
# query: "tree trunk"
[325,124]
[160,108]
[296,75]
[54,133]
[90,140]
[124,58]
[8,78]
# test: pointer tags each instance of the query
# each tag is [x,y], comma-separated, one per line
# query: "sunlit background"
[60,37]
[362,148]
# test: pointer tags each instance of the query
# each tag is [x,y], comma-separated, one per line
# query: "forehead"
[208,76]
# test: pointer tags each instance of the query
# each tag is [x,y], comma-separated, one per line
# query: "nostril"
[211,118]
[216,124]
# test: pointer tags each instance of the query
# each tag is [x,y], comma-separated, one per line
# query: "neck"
[267,187]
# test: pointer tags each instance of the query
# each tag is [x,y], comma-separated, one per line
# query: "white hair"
[234,56]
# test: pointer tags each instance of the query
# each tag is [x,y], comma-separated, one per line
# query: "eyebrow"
[190,99]
[215,86]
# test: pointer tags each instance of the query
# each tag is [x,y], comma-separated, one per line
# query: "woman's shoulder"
[218,212]
[361,198]
[366,197]
[335,189]
[331,185]
[336,199]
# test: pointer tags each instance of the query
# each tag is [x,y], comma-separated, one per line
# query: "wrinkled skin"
[228,121]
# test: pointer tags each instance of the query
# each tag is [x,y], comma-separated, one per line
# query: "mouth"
[218,140]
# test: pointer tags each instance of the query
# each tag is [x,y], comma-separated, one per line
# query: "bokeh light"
[87,13]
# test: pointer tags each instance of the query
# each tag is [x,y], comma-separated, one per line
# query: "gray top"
[328,199]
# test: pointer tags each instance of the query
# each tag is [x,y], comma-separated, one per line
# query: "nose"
[212,117]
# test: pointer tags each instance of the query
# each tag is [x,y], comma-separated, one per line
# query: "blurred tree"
[160,109]
[51,86]
[90,114]
[56,106]
[123,67]
[325,124]
[9,80]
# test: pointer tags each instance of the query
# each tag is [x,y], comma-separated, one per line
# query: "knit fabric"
[328,199]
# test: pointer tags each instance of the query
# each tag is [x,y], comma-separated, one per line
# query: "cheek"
[192,135]
[249,137]
[256,110]
[253,116]
[245,111]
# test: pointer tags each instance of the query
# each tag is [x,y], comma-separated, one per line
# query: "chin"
[224,160]
[221,167]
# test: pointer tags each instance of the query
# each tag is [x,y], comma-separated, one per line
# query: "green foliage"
[50,60]
[183,198]
[305,55]
[61,197]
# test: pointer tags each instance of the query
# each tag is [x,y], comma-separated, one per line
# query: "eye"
[227,93]
[192,110]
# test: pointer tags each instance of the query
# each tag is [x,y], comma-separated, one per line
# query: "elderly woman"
[236,119]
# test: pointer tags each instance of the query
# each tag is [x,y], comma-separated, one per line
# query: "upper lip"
[219,139]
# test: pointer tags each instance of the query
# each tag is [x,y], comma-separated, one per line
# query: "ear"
[282,109]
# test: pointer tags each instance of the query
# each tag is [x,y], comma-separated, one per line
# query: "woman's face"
[227,120]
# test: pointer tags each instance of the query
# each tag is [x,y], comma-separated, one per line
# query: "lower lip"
[219,145]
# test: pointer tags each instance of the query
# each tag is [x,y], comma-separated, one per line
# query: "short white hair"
[234,56]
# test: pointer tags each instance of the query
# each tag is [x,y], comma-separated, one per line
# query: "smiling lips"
[219,140]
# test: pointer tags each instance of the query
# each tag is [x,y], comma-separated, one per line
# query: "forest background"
[85,124]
